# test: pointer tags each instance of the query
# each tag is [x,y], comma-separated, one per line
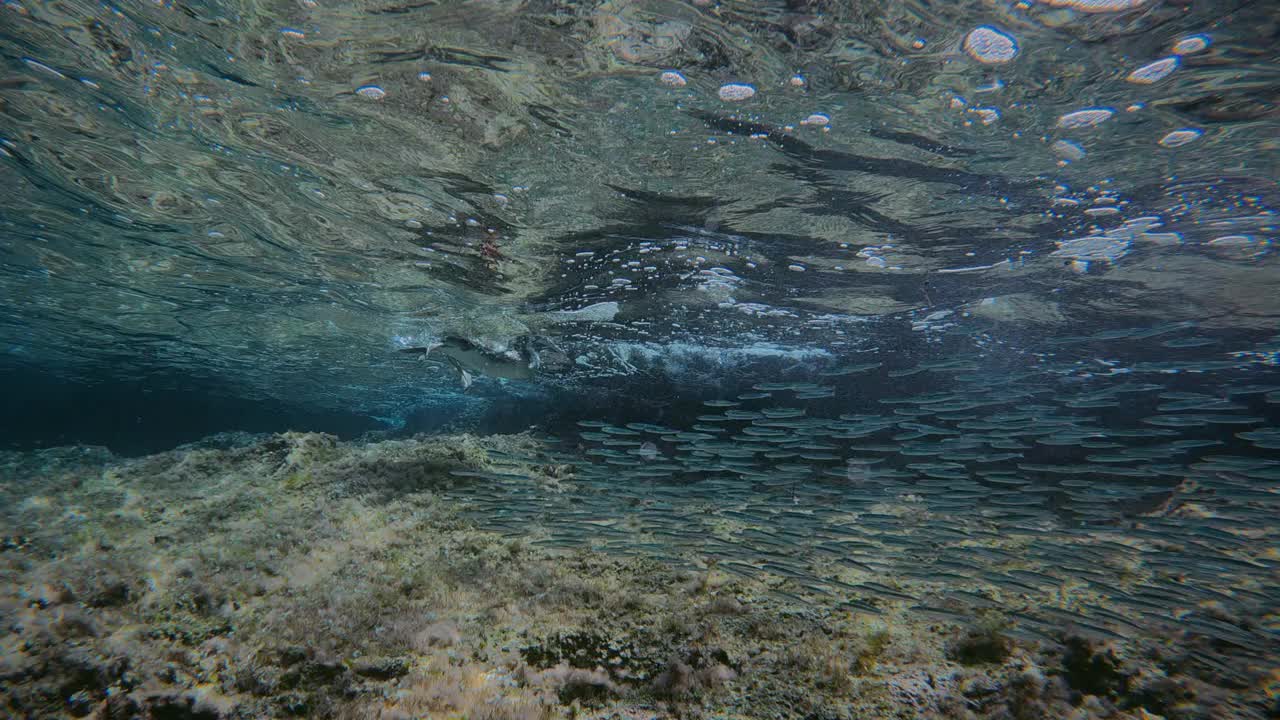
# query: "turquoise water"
[725,359]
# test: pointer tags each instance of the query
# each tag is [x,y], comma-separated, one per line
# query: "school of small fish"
[1123,500]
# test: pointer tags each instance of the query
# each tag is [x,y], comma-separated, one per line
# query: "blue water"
[752,359]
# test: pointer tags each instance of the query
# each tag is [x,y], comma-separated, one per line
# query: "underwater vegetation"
[295,575]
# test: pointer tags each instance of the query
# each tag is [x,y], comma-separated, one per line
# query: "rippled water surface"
[920,313]
[278,195]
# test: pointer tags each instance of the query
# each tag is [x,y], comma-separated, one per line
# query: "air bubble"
[1068,150]
[990,46]
[1191,45]
[1154,72]
[1097,6]
[1178,138]
[673,78]
[1085,118]
[736,92]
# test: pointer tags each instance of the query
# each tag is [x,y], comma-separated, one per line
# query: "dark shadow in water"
[138,417]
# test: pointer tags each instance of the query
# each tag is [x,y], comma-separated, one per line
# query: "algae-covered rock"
[201,584]
[380,668]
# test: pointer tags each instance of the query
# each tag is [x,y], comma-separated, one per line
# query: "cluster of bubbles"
[737,92]
[990,45]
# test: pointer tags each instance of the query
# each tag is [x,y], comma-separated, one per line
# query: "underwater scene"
[630,359]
